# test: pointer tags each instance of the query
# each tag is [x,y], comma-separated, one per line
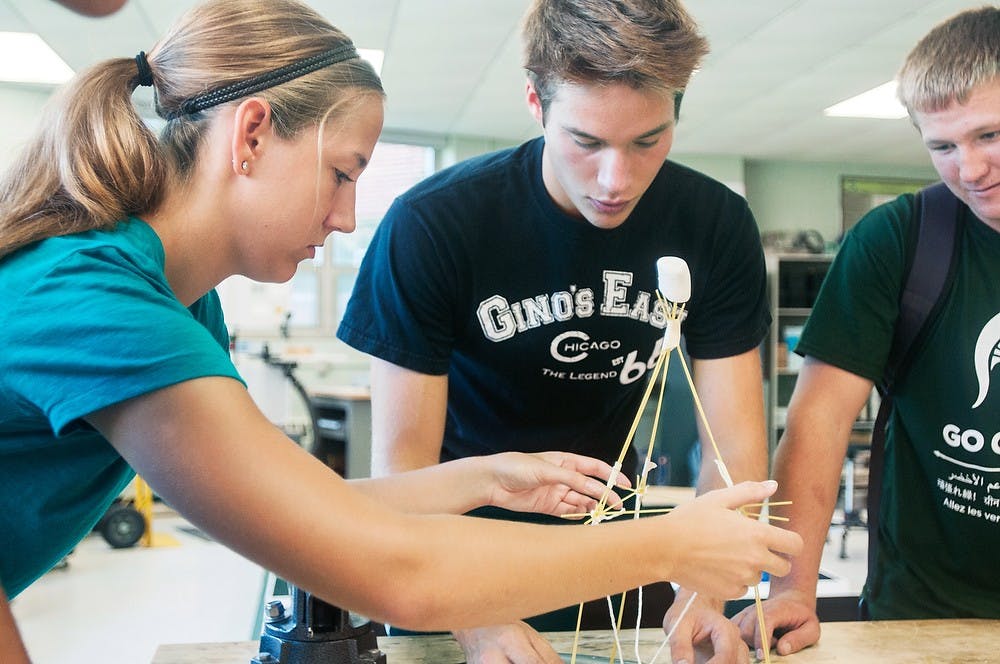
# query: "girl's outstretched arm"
[208,451]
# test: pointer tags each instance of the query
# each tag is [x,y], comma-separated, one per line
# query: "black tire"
[122,526]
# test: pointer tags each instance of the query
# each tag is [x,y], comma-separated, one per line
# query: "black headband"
[263,81]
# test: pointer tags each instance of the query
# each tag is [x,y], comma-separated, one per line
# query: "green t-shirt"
[87,321]
[940,508]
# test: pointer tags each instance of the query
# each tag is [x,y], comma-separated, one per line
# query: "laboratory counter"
[884,642]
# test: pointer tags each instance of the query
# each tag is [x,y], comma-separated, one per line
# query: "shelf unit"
[793,283]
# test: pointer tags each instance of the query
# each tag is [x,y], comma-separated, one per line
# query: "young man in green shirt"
[939,512]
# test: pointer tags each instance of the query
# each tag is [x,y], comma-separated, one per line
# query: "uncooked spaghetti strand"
[701,414]
[642,406]
[662,376]
[576,635]
[766,647]
[628,440]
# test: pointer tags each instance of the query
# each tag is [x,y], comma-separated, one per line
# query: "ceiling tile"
[452,67]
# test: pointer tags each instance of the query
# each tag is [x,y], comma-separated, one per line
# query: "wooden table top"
[668,496]
[886,642]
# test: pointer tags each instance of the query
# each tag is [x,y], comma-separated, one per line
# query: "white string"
[614,629]
[671,632]
[726,477]
[638,621]
[640,492]
[638,613]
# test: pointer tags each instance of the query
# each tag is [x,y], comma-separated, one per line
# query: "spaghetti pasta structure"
[674,281]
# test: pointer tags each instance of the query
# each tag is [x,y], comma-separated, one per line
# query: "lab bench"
[877,642]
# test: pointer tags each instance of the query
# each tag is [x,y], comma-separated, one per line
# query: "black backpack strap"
[927,276]
[927,281]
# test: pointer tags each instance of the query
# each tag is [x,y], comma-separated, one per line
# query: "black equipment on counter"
[316,633]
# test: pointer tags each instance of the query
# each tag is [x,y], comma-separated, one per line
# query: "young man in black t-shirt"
[509,301]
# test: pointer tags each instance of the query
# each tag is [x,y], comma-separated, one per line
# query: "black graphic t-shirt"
[940,510]
[546,325]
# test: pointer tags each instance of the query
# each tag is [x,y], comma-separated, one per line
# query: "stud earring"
[244,165]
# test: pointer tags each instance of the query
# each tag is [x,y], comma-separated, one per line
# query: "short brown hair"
[956,56]
[642,43]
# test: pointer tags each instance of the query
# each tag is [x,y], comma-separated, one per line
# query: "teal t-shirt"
[940,508]
[87,321]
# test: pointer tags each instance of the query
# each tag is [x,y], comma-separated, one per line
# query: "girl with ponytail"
[115,355]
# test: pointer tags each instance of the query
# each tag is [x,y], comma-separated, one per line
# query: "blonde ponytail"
[92,163]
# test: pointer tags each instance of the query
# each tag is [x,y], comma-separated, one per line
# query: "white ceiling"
[453,66]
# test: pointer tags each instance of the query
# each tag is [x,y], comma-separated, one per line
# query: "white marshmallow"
[674,279]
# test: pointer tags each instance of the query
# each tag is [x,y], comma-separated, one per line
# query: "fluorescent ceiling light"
[26,58]
[374,56]
[879,103]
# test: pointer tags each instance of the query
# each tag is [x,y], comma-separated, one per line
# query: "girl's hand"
[720,552]
[554,483]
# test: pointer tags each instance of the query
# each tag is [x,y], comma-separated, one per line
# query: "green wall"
[793,195]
